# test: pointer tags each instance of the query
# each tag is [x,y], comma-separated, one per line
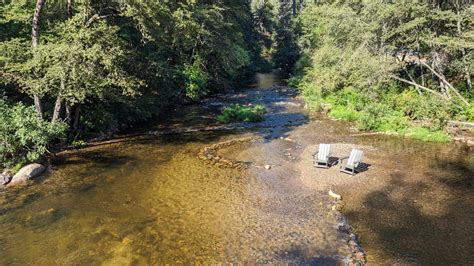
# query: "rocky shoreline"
[210,154]
[358,255]
[26,173]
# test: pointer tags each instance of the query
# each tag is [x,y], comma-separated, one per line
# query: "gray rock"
[5,178]
[26,173]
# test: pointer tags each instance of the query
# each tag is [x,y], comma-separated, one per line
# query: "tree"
[35,34]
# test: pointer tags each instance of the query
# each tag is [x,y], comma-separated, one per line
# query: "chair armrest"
[341,159]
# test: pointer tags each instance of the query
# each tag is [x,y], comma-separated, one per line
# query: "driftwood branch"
[411,78]
[418,86]
[442,78]
[461,123]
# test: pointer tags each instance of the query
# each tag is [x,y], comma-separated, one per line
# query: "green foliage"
[344,113]
[336,49]
[425,134]
[372,117]
[431,111]
[196,78]
[77,144]
[358,59]
[239,113]
[99,120]
[121,62]
[381,117]
[23,136]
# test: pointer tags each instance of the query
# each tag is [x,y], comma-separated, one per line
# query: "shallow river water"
[148,198]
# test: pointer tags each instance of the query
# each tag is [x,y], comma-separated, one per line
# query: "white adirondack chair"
[354,159]
[321,158]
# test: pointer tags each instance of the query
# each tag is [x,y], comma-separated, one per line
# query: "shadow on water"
[454,173]
[99,158]
[400,220]
[299,255]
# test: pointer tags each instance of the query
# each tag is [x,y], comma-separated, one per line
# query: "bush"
[77,144]
[311,94]
[24,137]
[394,122]
[425,134]
[344,113]
[372,117]
[351,98]
[237,112]
[195,79]
[433,112]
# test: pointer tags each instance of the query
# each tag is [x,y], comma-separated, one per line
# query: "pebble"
[334,195]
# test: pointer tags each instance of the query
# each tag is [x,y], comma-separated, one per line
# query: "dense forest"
[76,69]
[397,66]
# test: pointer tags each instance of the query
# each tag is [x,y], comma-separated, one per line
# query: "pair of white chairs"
[322,158]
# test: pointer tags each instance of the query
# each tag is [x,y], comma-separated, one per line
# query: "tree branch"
[94,18]
[418,86]
[442,78]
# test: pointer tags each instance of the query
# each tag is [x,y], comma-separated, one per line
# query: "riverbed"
[147,197]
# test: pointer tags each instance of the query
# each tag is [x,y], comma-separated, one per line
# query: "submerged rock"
[26,173]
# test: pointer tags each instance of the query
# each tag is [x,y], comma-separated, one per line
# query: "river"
[147,197]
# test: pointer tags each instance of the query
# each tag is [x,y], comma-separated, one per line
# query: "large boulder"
[26,173]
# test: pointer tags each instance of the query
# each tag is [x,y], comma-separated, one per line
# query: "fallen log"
[460,123]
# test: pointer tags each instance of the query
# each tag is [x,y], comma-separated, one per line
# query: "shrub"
[372,116]
[425,134]
[196,79]
[77,144]
[463,113]
[344,113]
[394,122]
[24,137]
[351,98]
[433,112]
[237,112]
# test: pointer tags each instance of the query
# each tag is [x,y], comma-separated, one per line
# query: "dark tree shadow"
[298,256]
[406,232]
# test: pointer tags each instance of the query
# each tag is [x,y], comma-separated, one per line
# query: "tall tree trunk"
[77,115]
[35,29]
[70,4]
[35,33]
[422,74]
[58,104]
[57,108]
[294,8]
[38,106]
[68,115]
[467,71]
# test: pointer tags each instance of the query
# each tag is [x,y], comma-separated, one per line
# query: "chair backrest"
[324,150]
[355,158]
